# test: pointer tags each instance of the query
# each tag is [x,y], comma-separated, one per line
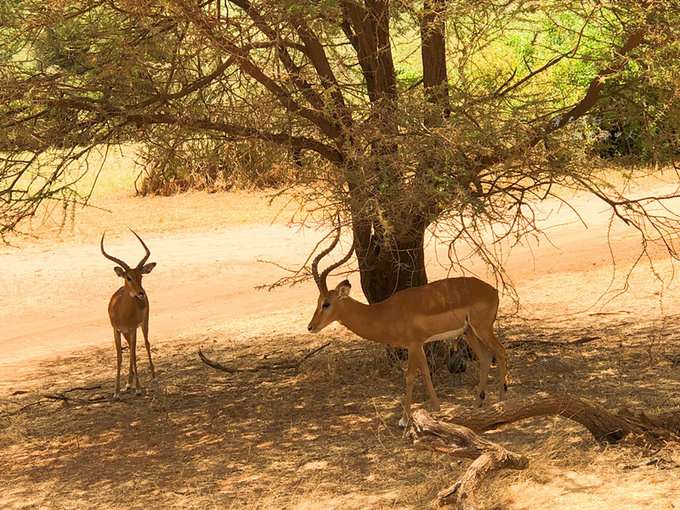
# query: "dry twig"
[53,397]
[578,341]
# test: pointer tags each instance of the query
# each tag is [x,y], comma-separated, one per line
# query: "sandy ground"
[54,335]
[55,284]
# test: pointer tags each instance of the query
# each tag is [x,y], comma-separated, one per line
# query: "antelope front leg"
[128,386]
[132,341]
[145,332]
[119,358]
[425,370]
[411,371]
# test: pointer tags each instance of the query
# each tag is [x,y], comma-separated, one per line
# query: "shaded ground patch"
[323,436]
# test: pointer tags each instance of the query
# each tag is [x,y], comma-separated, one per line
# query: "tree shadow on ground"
[323,436]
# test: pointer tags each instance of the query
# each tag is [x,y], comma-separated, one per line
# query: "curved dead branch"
[276,365]
[459,441]
[604,425]
[454,432]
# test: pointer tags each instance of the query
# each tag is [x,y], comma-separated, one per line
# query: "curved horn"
[321,279]
[148,252]
[114,259]
[340,262]
[317,259]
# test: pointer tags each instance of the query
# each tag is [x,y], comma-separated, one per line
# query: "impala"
[412,317]
[129,309]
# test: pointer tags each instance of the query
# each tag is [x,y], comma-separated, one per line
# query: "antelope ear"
[119,271]
[148,268]
[343,288]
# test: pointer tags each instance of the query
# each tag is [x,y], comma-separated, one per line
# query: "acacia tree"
[403,114]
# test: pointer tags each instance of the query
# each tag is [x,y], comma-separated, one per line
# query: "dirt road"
[55,297]
[54,292]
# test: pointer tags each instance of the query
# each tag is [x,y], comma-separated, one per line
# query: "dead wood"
[459,441]
[658,463]
[604,425]
[454,431]
[276,365]
[551,343]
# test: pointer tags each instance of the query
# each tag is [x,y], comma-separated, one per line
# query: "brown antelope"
[129,309]
[412,317]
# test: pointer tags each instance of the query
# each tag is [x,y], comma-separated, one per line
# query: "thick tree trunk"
[433,53]
[389,265]
[390,243]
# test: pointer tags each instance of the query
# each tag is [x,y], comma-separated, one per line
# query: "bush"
[214,165]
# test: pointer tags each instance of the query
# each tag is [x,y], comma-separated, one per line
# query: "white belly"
[446,335]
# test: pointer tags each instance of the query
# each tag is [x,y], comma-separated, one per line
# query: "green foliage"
[210,92]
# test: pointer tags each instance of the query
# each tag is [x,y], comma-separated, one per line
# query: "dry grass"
[323,436]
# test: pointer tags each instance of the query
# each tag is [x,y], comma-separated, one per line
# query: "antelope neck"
[362,319]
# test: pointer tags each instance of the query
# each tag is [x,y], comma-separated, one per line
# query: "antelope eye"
[128,278]
[325,304]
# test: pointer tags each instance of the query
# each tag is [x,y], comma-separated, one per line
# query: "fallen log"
[455,432]
[604,425]
[459,441]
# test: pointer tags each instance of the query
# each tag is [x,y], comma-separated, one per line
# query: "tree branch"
[317,56]
[206,25]
[459,441]
[592,95]
[302,84]
[285,139]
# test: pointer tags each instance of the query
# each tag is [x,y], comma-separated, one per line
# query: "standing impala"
[129,309]
[412,317]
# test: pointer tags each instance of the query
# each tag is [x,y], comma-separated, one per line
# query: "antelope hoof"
[403,421]
[138,393]
[505,388]
[128,387]
[116,396]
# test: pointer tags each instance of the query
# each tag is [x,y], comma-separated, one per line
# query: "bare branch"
[276,365]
